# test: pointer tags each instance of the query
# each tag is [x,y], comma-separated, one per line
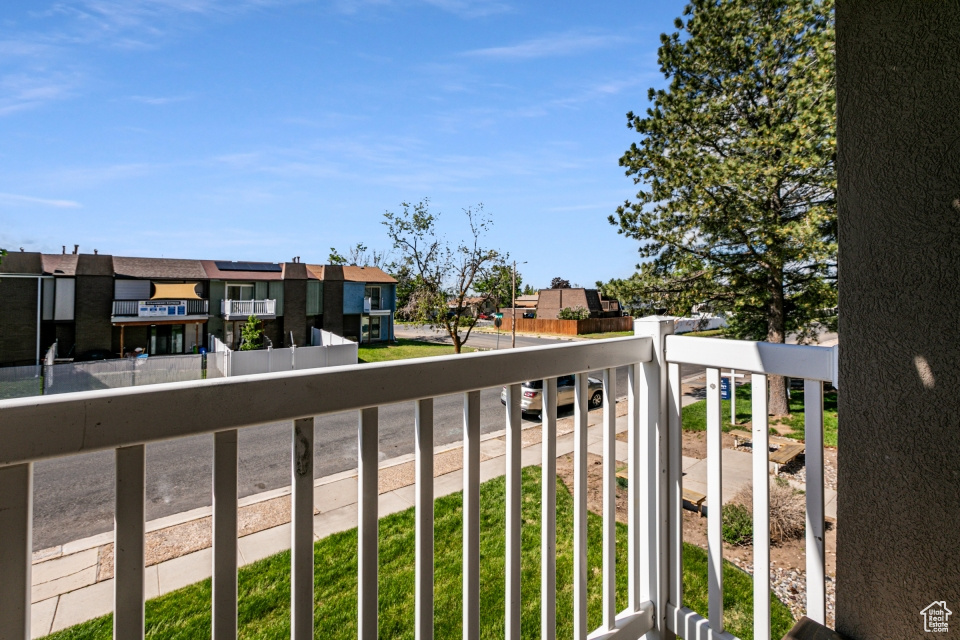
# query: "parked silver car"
[531,397]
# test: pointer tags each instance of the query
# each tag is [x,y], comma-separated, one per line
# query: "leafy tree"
[251,334]
[443,274]
[737,166]
[358,256]
[528,290]
[559,283]
[578,312]
[497,283]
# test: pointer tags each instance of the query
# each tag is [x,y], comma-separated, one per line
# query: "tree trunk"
[457,345]
[776,332]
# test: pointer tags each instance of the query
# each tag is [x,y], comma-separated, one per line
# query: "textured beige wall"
[899,453]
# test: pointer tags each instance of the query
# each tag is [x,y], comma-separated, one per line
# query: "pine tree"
[736,164]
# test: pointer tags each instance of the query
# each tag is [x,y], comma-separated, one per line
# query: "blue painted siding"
[353,297]
[389,294]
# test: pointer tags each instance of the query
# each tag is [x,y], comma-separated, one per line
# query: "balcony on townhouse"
[55,426]
[147,311]
[243,309]
[374,305]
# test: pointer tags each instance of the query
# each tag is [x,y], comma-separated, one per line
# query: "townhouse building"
[112,305]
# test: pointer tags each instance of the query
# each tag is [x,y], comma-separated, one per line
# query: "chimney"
[64,249]
[95,252]
[76,249]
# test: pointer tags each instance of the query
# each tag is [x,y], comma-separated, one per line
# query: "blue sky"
[265,129]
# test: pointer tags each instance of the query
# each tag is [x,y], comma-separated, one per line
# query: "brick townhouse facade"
[88,303]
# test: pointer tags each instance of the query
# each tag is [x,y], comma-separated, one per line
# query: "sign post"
[497,322]
[728,391]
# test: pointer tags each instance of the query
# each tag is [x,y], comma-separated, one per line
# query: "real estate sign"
[162,308]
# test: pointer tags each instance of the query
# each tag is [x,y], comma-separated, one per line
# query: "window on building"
[239,291]
[374,294]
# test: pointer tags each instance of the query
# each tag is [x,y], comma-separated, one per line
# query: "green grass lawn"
[709,333]
[21,388]
[403,349]
[695,415]
[608,334]
[264,587]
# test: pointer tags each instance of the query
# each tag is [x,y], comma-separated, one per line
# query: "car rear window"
[533,384]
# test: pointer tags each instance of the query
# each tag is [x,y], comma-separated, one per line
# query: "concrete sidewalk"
[73,583]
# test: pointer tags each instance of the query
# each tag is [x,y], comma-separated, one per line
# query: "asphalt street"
[74,496]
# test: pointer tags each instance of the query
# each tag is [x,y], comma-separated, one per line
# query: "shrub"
[788,510]
[737,524]
[576,313]
[251,335]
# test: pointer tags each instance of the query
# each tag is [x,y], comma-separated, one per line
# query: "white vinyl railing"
[125,420]
[815,365]
[246,308]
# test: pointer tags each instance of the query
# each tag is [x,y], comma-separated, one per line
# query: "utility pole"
[513,306]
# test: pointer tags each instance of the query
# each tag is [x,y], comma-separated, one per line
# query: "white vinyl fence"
[329,350]
[50,378]
[119,373]
[321,338]
[699,323]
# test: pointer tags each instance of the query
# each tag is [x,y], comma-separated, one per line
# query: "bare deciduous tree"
[445,274]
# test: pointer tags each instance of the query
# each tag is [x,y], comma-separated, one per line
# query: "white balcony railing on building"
[233,309]
[372,304]
[50,427]
[151,308]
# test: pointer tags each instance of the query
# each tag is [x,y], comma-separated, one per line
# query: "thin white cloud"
[471,8]
[22,91]
[564,44]
[47,202]
[158,100]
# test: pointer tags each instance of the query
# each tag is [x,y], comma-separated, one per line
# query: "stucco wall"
[899,196]
[353,297]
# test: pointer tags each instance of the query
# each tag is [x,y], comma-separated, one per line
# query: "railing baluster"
[16,555]
[635,534]
[673,452]
[548,513]
[761,507]
[128,548]
[367,596]
[714,502]
[471,515]
[580,508]
[301,529]
[609,498]
[813,457]
[224,619]
[424,514]
[513,514]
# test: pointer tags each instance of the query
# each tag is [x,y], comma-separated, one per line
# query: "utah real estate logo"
[935,617]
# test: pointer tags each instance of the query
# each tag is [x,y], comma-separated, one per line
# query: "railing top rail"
[52,426]
[792,360]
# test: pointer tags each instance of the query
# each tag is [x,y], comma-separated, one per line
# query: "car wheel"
[596,400]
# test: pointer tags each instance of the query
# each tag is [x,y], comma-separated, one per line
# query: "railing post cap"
[643,325]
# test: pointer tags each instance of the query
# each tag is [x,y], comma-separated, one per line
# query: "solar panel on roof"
[247,266]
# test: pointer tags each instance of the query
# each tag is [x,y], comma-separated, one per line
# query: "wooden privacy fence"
[571,327]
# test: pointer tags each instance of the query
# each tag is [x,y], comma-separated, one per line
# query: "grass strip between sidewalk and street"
[264,587]
[404,349]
